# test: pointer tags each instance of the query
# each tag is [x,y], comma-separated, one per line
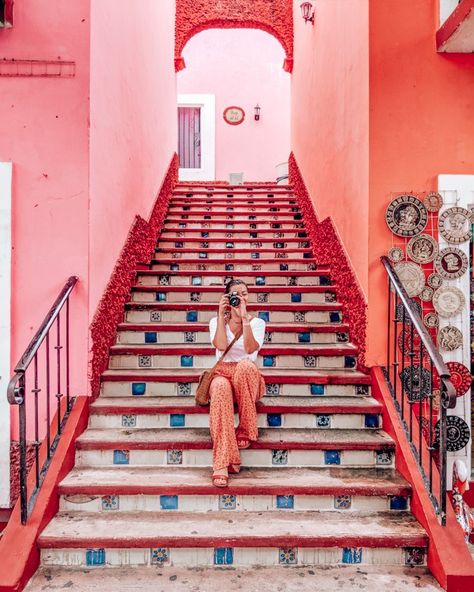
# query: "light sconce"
[307,12]
[257,112]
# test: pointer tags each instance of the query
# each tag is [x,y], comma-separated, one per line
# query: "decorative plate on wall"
[406,216]
[234,115]
[412,277]
[458,433]
[460,377]
[422,248]
[395,254]
[427,294]
[449,338]
[448,301]
[451,263]
[433,201]
[455,225]
[431,320]
[434,281]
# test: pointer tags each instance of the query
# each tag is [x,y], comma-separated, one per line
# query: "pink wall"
[330,118]
[43,131]
[133,123]
[242,67]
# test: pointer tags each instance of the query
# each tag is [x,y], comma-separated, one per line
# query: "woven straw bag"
[202,392]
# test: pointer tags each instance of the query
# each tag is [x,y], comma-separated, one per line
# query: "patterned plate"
[422,248]
[449,338]
[455,225]
[431,320]
[406,216]
[460,377]
[433,201]
[434,281]
[427,294]
[412,277]
[448,301]
[458,433]
[410,378]
[395,254]
[451,263]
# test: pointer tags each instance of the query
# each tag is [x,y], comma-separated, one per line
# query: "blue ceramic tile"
[287,556]
[229,267]
[264,316]
[260,280]
[334,317]
[324,280]
[202,255]
[184,389]
[283,266]
[110,502]
[204,234]
[342,502]
[227,502]
[187,361]
[371,420]
[398,502]
[286,502]
[121,457]
[138,388]
[169,502]
[332,457]
[196,280]
[323,421]
[129,421]
[383,457]
[304,337]
[349,362]
[192,316]
[224,556]
[268,361]
[274,420]
[178,245]
[159,556]
[151,337]
[296,297]
[352,555]
[229,245]
[307,256]
[255,255]
[415,556]
[317,389]
[174,457]
[95,557]
[279,457]
[160,296]
[174,267]
[177,420]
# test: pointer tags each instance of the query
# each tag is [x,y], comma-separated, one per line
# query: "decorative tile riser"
[186,279]
[204,362]
[232,235]
[202,337]
[231,503]
[308,298]
[234,254]
[269,265]
[250,458]
[249,556]
[257,225]
[204,316]
[231,216]
[239,243]
[176,389]
[201,420]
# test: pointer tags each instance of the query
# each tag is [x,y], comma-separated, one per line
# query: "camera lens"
[234,300]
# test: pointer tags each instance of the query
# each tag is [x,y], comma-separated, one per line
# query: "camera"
[234,299]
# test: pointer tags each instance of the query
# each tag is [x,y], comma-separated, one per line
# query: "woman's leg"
[221,423]
[247,385]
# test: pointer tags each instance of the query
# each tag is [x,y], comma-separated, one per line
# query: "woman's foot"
[234,469]
[243,442]
[220,478]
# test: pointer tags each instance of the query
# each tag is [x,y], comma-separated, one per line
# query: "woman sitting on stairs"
[237,380]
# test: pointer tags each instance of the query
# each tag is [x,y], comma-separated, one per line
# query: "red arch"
[273,16]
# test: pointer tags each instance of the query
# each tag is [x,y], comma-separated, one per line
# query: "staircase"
[319,487]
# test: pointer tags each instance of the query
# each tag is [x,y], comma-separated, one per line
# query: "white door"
[196,137]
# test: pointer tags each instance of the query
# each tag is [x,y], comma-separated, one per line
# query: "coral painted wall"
[330,119]
[242,67]
[421,125]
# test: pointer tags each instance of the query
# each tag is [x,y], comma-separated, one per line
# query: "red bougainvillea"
[329,250]
[273,16]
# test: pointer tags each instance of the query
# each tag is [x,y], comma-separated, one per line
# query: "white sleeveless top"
[238,352]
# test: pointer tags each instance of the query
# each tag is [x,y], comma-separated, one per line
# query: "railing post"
[22,437]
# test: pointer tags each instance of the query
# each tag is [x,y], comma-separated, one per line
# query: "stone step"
[275,447]
[230,207]
[258,278]
[235,215]
[232,234]
[235,190]
[184,244]
[243,264]
[197,538]
[243,201]
[204,225]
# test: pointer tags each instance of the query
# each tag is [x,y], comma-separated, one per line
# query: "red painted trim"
[139,247]
[321,267]
[203,350]
[204,327]
[235,240]
[233,213]
[453,22]
[319,378]
[193,250]
[18,545]
[224,115]
[217,272]
[448,556]
[225,185]
[291,221]
[333,306]
[256,289]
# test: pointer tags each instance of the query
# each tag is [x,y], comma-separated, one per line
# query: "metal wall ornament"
[433,201]
[434,281]
[411,345]
[396,254]
[448,301]
[406,216]
[458,433]
[422,248]
[451,263]
[412,277]
[431,320]
[427,294]
[416,381]
[449,338]
[455,225]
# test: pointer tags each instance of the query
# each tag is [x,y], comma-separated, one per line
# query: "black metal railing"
[47,372]
[420,384]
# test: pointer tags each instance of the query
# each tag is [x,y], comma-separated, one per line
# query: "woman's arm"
[220,338]
[250,343]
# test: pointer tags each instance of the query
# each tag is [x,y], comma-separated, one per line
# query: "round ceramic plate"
[458,433]
[431,320]
[434,281]
[406,216]
[451,263]
[395,254]
[414,387]
[455,225]
[433,201]
[460,377]
[422,248]
[427,294]
[448,301]
[449,338]
[412,277]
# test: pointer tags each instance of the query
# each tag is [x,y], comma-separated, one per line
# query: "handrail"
[16,393]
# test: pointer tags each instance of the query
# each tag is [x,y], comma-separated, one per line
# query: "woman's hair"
[234,282]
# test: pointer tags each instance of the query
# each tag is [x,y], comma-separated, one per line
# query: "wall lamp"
[257,112]
[307,12]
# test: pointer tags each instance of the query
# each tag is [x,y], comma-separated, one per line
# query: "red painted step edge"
[204,327]
[449,559]
[19,552]
[183,349]
[119,376]
[251,289]
[167,306]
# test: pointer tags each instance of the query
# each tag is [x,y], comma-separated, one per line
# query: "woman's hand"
[223,305]
[242,309]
